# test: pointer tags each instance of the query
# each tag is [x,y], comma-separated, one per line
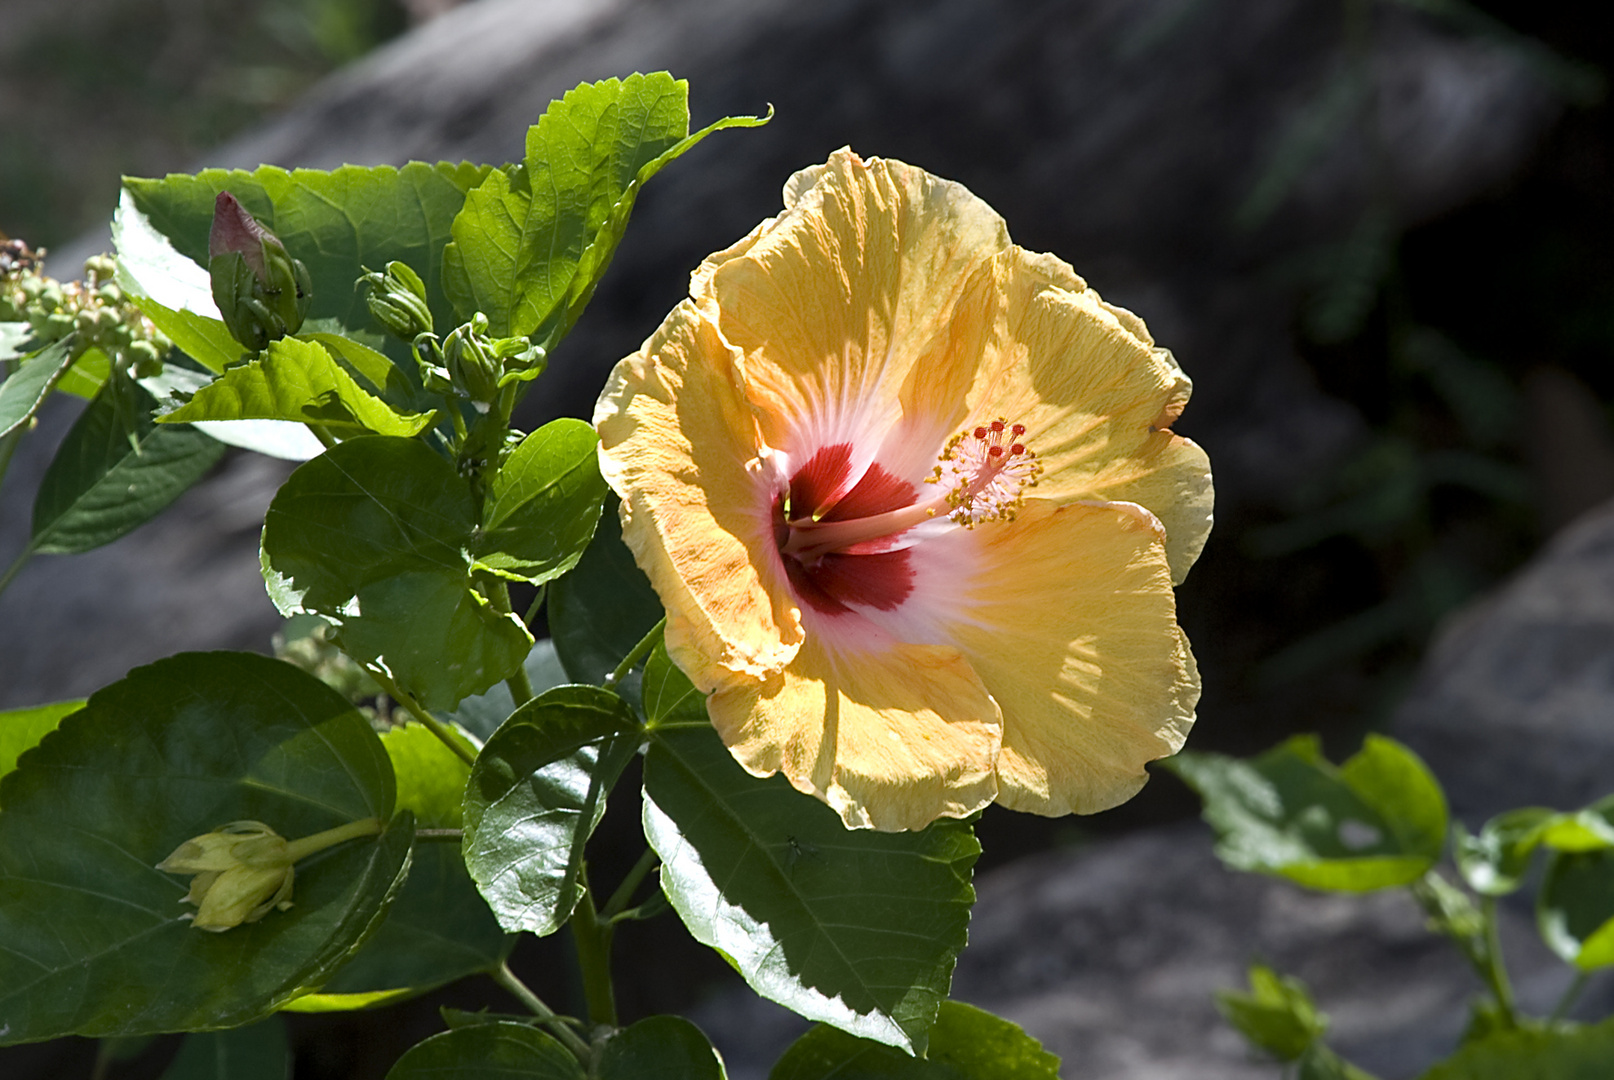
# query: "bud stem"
[298,850]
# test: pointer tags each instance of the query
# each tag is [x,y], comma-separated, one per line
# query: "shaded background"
[1380,236]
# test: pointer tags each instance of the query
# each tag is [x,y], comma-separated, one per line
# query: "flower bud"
[261,291]
[472,365]
[397,299]
[243,870]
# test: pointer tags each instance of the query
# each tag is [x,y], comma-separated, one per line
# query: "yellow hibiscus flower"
[911,499]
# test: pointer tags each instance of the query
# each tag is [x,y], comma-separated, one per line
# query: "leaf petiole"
[636,654]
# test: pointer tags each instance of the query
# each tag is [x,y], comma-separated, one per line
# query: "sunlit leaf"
[966,1044]
[543,504]
[21,729]
[1377,820]
[537,792]
[26,389]
[1567,1053]
[857,928]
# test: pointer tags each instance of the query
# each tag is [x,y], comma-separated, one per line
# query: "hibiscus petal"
[1070,621]
[1097,399]
[678,443]
[891,739]
[838,300]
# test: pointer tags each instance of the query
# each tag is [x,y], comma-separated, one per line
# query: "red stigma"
[980,433]
[1019,430]
[995,451]
[997,426]
[1017,448]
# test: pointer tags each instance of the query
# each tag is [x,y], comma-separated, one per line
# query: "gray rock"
[1515,702]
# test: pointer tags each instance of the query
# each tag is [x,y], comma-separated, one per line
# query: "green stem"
[297,850]
[520,685]
[624,892]
[532,608]
[326,439]
[434,725]
[519,990]
[593,940]
[1571,995]
[12,570]
[637,653]
[1495,971]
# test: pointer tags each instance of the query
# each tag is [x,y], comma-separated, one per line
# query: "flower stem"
[1571,995]
[301,849]
[434,725]
[326,439]
[637,653]
[1495,971]
[593,940]
[624,892]
[532,609]
[534,1004]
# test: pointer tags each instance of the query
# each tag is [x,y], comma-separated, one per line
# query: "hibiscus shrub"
[881,526]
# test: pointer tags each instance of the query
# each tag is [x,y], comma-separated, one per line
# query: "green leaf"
[439,929]
[604,607]
[481,714]
[543,504]
[1575,908]
[27,387]
[95,942]
[335,222]
[532,242]
[255,1052]
[393,383]
[372,536]
[21,729]
[536,793]
[16,340]
[1376,821]
[504,1050]
[966,1044]
[1565,1053]
[1494,862]
[299,381]
[203,339]
[668,695]
[660,1048]
[1277,1014]
[85,376]
[115,471]
[859,929]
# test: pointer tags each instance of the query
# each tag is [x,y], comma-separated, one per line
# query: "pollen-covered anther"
[985,472]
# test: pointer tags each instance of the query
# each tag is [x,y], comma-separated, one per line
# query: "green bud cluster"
[96,309]
[473,366]
[397,299]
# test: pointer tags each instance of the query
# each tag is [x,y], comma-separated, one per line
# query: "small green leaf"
[1277,1014]
[1376,821]
[27,388]
[115,471]
[372,536]
[21,729]
[439,929]
[299,381]
[481,714]
[504,1050]
[1575,908]
[543,504]
[336,222]
[531,243]
[255,1052]
[966,1044]
[1494,862]
[395,384]
[537,792]
[856,928]
[604,607]
[659,1048]
[668,695]
[1562,1053]
[95,942]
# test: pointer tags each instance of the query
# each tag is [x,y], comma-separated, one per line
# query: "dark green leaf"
[95,942]
[372,536]
[335,222]
[659,1048]
[603,607]
[1575,908]
[255,1052]
[1376,821]
[1277,1014]
[99,486]
[503,1050]
[859,929]
[537,792]
[481,714]
[1570,1053]
[21,729]
[299,381]
[966,1044]
[26,389]
[543,504]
